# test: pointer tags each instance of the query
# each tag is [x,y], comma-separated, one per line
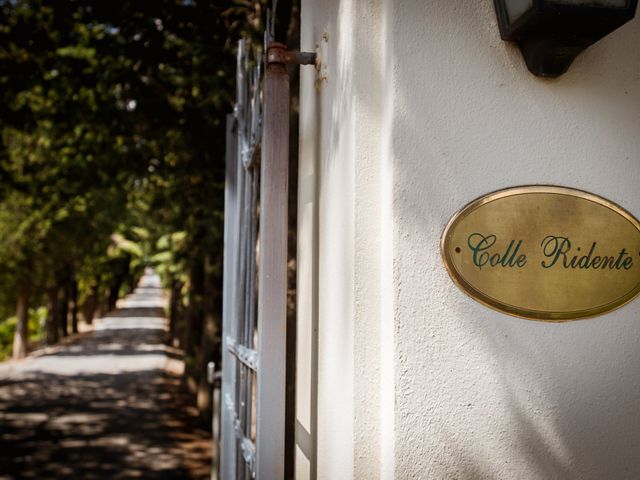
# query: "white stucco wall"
[419,108]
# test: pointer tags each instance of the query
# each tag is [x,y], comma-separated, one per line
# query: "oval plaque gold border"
[512,310]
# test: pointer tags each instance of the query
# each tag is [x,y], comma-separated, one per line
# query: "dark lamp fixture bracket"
[552,33]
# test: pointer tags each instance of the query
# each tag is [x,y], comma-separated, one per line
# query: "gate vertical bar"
[272,292]
[227,450]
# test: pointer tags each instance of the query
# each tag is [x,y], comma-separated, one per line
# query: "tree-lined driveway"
[105,405]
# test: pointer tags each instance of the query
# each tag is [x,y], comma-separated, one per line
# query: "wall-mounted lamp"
[551,33]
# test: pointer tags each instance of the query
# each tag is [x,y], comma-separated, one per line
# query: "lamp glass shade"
[517,8]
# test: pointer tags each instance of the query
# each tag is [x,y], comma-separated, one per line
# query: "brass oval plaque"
[545,253]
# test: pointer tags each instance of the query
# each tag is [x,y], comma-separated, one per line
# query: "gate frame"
[265,458]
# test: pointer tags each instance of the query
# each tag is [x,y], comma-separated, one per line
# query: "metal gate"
[254,352]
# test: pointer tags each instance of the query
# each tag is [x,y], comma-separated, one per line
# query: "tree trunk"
[21,337]
[90,304]
[174,312]
[209,333]
[74,305]
[114,292]
[193,327]
[102,301]
[52,308]
[209,341]
[63,308]
[132,283]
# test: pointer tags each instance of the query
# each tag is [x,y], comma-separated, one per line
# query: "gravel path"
[104,405]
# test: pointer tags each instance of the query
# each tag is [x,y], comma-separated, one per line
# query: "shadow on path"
[103,406]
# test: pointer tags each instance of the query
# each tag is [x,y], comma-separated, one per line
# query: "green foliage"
[112,131]
[122,246]
[8,328]
[169,261]
[111,123]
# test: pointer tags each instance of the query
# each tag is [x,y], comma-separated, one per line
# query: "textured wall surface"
[422,110]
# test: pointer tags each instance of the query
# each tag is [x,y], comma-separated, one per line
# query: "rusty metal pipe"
[272,294]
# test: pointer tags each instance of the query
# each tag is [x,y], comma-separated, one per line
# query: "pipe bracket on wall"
[278,53]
